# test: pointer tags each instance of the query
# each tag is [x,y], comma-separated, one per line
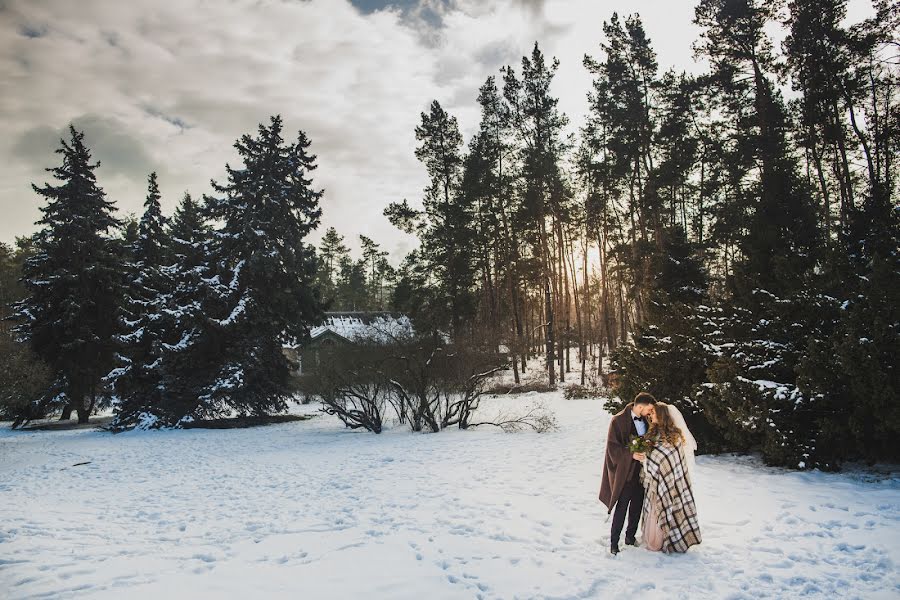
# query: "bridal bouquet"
[640,444]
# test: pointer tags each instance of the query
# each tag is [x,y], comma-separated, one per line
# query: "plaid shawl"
[667,486]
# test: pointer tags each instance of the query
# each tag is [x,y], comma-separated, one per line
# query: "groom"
[621,487]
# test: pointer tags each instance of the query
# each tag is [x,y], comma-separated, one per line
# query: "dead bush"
[503,388]
[580,392]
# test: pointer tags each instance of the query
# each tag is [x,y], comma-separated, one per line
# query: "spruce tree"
[266,271]
[146,323]
[190,358]
[74,285]
[129,233]
[23,378]
[187,234]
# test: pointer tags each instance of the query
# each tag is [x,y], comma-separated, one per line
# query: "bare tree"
[430,384]
[350,382]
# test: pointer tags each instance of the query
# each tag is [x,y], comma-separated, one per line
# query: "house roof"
[353,326]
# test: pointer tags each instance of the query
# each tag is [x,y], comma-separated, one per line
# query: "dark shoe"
[630,541]
[614,549]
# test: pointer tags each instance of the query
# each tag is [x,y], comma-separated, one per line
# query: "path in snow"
[312,510]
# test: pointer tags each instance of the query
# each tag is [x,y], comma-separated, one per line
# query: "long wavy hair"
[665,429]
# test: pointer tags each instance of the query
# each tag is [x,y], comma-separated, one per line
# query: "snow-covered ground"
[311,510]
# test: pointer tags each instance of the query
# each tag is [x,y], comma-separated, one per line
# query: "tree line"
[725,245]
[364,284]
[705,237]
[166,319]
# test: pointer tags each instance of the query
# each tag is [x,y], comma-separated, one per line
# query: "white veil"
[690,444]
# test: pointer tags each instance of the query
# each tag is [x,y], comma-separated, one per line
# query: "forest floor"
[313,510]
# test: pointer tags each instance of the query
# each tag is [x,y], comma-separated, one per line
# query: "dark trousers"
[631,501]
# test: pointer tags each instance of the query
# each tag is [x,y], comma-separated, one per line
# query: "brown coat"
[619,466]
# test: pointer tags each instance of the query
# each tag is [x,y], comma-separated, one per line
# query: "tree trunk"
[562,295]
[873,179]
[826,203]
[623,331]
[636,263]
[567,250]
[846,204]
[526,311]
[846,180]
[548,308]
[582,351]
[551,342]
[700,198]
[84,409]
[517,349]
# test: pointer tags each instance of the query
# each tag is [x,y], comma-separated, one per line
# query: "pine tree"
[538,125]
[23,378]
[331,249]
[265,268]
[352,288]
[780,244]
[624,115]
[817,53]
[411,294]
[679,146]
[74,285]
[447,230]
[387,278]
[488,178]
[373,256]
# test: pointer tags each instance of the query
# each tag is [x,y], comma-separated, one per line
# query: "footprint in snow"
[848,548]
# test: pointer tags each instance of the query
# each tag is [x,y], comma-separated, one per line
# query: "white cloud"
[170,84]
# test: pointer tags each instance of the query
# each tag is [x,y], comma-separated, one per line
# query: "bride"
[669,512]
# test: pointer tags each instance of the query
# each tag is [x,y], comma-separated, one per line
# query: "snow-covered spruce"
[74,285]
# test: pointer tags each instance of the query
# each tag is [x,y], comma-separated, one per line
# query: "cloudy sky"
[168,85]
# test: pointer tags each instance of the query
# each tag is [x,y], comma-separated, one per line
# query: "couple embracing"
[648,471]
